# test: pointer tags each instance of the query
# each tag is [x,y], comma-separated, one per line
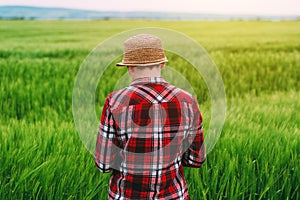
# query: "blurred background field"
[256,157]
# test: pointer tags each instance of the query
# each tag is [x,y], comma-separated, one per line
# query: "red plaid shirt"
[148,132]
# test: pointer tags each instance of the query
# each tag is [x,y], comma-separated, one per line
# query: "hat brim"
[121,64]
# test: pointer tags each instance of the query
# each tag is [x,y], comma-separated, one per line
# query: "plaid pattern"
[148,132]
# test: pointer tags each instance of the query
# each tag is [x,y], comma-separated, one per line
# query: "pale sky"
[263,7]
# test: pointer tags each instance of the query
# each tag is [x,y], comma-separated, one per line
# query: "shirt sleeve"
[195,154]
[106,145]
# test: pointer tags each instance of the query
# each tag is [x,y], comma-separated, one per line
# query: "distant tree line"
[17,18]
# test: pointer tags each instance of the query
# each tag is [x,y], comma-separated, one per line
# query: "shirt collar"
[146,80]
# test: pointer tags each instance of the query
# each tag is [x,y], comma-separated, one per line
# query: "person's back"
[148,132]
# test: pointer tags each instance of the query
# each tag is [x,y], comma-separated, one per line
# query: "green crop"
[256,157]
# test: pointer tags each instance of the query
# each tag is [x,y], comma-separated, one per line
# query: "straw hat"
[143,50]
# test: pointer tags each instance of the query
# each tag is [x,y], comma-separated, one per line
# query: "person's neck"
[149,74]
[144,76]
[137,72]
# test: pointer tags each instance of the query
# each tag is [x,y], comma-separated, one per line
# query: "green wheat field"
[256,157]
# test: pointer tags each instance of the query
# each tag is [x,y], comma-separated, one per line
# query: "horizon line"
[151,11]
